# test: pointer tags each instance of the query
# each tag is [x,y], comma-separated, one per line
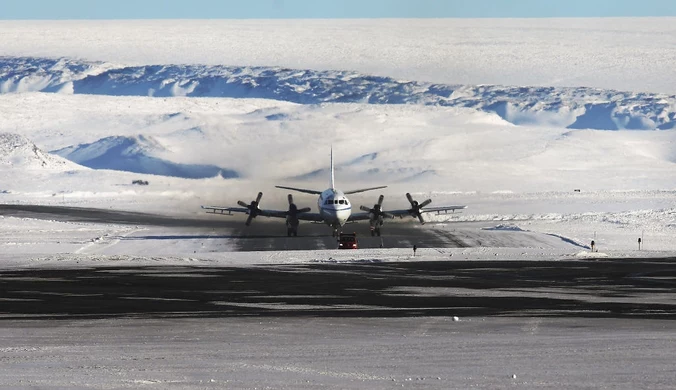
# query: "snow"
[572,107]
[553,132]
[18,151]
[606,53]
[208,151]
[360,353]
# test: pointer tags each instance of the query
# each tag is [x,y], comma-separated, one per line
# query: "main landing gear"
[291,231]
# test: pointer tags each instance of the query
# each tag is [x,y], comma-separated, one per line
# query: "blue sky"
[264,9]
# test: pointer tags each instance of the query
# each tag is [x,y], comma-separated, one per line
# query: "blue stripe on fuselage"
[335,210]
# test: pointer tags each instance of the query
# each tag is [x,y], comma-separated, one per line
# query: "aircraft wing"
[314,192]
[230,210]
[363,190]
[359,217]
[442,209]
[438,210]
[314,217]
[225,210]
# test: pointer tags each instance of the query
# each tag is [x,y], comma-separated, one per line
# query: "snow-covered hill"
[574,108]
[200,138]
[19,153]
[136,154]
[426,148]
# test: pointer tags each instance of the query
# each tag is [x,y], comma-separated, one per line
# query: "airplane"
[335,210]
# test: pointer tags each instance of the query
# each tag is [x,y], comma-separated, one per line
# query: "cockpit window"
[336,201]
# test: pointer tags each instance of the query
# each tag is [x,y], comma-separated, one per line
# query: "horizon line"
[346,18]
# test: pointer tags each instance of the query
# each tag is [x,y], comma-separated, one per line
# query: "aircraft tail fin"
[332,184]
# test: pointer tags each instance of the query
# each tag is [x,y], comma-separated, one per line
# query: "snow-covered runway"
[132,232]
[565,325]
[338,353]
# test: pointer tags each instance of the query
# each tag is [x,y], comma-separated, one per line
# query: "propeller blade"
[425,203]
[248,220]
[388,215]
[364,208]
[304,210]
[410,199]
[239,202]
[290,197]
[258,198]
[380,200]
[420,217]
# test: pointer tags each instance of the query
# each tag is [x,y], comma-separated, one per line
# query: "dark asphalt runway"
[613,288]
[263,234]
[605,288]
[83,214]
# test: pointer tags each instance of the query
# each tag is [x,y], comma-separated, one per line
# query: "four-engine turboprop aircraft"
[335,209]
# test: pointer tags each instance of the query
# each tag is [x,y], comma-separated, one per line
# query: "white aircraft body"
[335,209]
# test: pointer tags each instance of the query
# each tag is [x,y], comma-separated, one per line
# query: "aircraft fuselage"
[334,207]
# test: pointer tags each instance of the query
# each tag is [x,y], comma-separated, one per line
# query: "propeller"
[253,208]
[416,207]
[377,212]
[294,210]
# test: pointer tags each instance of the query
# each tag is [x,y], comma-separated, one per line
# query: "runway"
[572,289]
[596,288]
[263,234]
[565,324]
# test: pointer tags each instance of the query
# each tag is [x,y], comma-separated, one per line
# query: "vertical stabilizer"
[332,183]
